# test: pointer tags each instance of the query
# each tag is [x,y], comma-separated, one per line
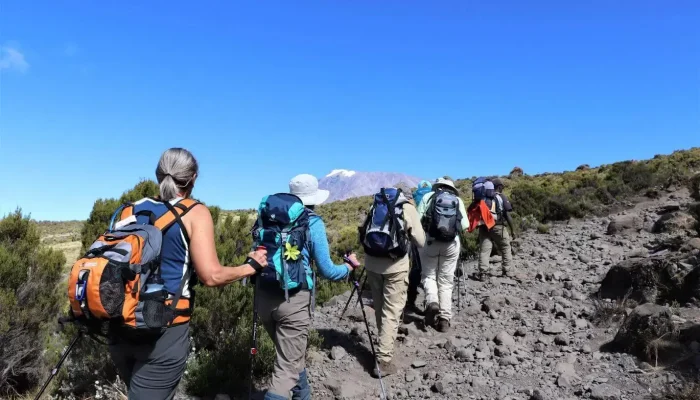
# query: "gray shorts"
[152,371]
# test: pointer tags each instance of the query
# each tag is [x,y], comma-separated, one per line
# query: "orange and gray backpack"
[118,283]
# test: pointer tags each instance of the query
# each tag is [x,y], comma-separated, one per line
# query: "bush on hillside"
[103,209]
[222,323]
[553,197]
[516,172]
[30,301]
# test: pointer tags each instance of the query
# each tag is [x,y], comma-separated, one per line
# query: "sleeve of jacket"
[413,223]
[321,253]
[465,216]
[423,205]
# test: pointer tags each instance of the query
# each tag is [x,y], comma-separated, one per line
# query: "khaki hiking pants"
[439,262]
[389,297]
[288,326]
[500,235]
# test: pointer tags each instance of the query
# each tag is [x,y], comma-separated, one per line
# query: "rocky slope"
[546,335]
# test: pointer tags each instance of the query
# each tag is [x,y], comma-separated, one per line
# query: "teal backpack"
[282,227]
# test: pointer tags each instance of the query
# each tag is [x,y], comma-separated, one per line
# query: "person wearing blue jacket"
[288,322]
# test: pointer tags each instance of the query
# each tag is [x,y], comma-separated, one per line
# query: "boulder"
[605,392]
[645,279]
[624,223]
[674,222]
[690,291]
[344,389]
[693,244]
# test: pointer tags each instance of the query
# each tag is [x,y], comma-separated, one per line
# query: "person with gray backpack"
[441,212]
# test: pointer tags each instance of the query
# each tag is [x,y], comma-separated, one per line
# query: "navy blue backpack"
[383,233]
[483,189]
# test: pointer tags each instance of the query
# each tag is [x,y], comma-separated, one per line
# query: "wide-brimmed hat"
[305,187]
[444,182]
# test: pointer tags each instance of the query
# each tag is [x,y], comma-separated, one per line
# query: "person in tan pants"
[388,280]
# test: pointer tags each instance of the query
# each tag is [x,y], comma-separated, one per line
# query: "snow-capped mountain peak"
[344,184]
[341,172]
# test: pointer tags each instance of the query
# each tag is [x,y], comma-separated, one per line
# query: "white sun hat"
[305,186]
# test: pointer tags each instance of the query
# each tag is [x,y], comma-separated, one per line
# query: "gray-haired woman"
[153,369]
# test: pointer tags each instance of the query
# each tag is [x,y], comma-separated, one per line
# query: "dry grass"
[609,312]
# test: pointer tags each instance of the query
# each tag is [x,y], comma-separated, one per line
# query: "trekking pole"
[354,289]
[459,286]
[254,347]
[369,334]
[54,371]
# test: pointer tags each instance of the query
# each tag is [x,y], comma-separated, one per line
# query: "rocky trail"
[550,334]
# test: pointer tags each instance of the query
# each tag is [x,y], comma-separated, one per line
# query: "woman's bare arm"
[203,252]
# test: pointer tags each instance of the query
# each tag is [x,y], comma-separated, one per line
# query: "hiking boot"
[411,302]
[443,325]
[386,368]
[430,313]
[482,276]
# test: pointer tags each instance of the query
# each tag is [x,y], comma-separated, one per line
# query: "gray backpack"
[443,216]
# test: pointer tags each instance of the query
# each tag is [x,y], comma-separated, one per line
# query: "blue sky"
[91,93]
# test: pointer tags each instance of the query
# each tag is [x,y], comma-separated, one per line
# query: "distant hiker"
[414,276]
[423,188]
[441,212]
[490,211]
[391,227]
[285,289]
[150,349]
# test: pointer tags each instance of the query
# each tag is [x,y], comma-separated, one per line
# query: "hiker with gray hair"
[152,367]
[441,212]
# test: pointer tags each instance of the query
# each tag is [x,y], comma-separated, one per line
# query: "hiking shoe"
[386,368]
[443,325]
[430,313]
[482,276]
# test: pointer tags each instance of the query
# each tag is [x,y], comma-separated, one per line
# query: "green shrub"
[30,301]
[543,228]
[103,209]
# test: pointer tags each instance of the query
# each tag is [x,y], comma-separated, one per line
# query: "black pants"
[153,370]
[414,275]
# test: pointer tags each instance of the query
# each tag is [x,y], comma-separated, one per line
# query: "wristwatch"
[256,265]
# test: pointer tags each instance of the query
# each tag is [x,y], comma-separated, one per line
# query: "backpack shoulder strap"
[164,222]
[174,215]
